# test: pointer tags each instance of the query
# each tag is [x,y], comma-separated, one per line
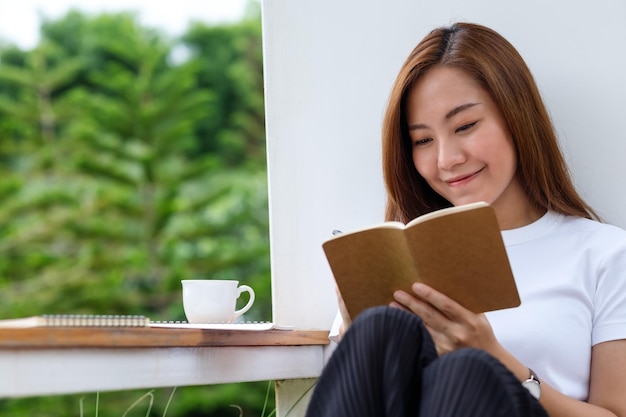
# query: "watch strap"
[532,384]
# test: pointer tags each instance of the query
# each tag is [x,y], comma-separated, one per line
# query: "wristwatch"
[532,384]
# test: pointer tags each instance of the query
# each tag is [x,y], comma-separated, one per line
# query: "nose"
[450,153]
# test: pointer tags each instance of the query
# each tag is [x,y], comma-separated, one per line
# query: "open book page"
[465,258]
[449,211]
[369,265]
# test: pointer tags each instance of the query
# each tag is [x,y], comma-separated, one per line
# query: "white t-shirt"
[571,276]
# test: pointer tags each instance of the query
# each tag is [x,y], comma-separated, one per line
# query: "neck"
[513,219]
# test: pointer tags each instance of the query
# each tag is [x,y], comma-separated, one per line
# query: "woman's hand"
[450,325]
[453,326]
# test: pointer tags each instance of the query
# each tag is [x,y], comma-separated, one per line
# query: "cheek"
[499,149]
[507,158]
[422,164]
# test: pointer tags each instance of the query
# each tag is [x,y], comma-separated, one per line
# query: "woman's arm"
[452,327]
[607,387]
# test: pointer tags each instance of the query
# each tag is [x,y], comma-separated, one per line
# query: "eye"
[423,141]
[465,127]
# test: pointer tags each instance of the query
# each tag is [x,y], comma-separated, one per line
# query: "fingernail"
[399,295]
[419,288]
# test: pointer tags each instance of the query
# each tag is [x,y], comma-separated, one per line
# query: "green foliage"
[227,54]
[124,170]
[250,399]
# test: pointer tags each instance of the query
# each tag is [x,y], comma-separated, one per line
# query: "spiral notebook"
[245,325]
[85,320]
[75,320]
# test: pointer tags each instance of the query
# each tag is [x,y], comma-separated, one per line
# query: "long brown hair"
[495,63]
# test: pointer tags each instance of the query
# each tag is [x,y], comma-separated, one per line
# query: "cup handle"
[241,289]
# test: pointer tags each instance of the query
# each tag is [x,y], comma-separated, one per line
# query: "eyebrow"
[448,115]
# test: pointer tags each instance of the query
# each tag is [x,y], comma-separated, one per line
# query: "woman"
[465,123]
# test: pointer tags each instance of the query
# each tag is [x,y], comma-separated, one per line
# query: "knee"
[470,355]
[383,324]
[384,317]
[381,313]
[468,362]
[471,379]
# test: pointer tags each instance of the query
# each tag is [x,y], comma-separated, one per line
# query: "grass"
[149,396]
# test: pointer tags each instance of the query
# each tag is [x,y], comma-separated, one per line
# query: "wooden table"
[65,360]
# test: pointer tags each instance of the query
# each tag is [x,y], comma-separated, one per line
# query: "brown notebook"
[458,251]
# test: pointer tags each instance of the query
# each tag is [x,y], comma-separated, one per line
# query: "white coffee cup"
[213,301]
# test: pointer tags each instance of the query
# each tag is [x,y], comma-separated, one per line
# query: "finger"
[423,309]
[399,306]
[441,302]
[438,339]
[407,300]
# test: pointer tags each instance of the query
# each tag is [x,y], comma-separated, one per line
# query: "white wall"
[329,66]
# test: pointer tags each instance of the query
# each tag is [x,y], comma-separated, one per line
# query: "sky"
[20,19]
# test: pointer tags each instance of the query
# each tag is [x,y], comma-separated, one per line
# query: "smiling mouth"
[462,179]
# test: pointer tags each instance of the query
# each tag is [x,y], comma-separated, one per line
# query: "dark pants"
[387,365]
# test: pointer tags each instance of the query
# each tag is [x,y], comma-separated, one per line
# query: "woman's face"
[462,146]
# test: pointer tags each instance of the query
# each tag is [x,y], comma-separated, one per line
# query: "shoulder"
[603,241]
[589,229]
[565,231]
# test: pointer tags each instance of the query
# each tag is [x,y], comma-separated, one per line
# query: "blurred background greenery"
[129,161]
